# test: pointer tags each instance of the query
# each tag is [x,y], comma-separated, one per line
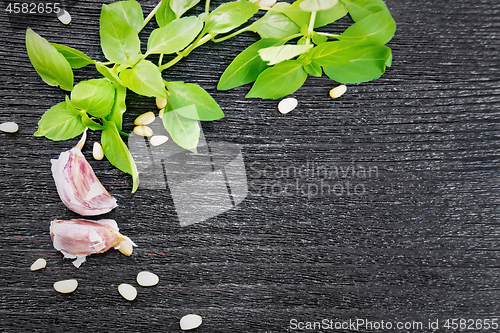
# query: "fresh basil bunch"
[289,50]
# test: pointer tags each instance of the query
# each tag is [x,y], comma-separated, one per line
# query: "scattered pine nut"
[157,140]
[66,286]
[9,127]
[145,118]
[143,130]
[160,114]
[147,279]
[288,104]
[97,151]
[338,91]
[126,248]
[127,291]
[64,17]
[190,321]
[161,102]
[265,3]
[39,264]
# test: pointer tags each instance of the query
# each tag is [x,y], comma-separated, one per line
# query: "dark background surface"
[421,243]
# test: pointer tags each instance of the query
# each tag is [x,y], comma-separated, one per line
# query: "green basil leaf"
[335,53]
[359,9]
[313,69]
[184,94]
[109,73]
[119,108]
[230,15]
[90,123]
[388,63]
[181,6]
[274,24]
[117,153]
[316,5]
[60,123]
[368,63]
[70,106]
[76,59]
[278,81]
[319,39]
[119,41]
[175,36]
[277,54]
[247,66]
[51,65]
[189,111]
[296,14]
[379,26]
[130,11]
[324,17]
[95,97]
[184,131]
[302,41]
[144,79]
[164,15]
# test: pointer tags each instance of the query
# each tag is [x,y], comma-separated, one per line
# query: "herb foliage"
[278,64]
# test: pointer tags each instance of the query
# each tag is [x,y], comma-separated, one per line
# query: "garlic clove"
[76,239]
[77,184]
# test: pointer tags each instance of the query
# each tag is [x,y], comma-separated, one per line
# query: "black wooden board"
[417,243]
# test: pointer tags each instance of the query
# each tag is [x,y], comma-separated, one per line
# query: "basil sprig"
[279,63]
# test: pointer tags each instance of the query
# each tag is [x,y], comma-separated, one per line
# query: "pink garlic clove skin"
[78,186]
[79,238]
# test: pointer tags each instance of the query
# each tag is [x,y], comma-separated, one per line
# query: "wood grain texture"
[419,243]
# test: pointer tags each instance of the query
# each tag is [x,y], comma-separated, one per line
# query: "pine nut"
[338,91]
[157,140]
[161,102]
[160,114]
[143,130]
[145,118]
[66,286]
[147,279]
[97,151]
[288,104]
[126,248]
[9,127]
[127,291]
[190,321]
[265,3]
[64,17]
[38,264]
